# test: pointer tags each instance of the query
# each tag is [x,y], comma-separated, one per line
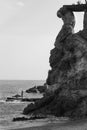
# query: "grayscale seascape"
[43,65]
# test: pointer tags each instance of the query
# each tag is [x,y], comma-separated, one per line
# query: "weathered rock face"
[67,79]
[68,59]
[60,59]
[69,62]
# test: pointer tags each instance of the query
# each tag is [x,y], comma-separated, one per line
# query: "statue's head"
[67,16]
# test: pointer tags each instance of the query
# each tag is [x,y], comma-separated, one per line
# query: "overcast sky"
[28,29]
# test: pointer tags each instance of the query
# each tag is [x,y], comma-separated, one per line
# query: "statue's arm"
[77,8]
[72,8]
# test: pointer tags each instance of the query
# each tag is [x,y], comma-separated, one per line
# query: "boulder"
[32,90]
[35,89]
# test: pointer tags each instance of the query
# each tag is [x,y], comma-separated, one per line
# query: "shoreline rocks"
[10,99]
[34,117]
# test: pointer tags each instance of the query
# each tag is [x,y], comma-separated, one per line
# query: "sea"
[11,109]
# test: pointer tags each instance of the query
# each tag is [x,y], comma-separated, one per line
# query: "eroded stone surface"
[67,79]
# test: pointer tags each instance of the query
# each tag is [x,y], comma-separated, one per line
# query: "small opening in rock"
[79,17]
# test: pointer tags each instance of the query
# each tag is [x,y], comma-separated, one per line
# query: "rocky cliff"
[67,80]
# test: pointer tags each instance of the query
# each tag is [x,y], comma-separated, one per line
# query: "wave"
[14,102]
[2,101]
[11,102]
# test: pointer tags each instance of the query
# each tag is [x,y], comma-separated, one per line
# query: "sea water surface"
[8,110]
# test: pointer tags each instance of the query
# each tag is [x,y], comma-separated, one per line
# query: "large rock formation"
[67,79]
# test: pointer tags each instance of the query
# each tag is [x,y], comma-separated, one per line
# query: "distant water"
[8,110]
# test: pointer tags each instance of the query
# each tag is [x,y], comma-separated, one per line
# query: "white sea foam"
[2,101]
[14,102]
[11,102]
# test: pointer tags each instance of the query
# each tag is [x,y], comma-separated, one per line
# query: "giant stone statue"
[66,57]
[66,94]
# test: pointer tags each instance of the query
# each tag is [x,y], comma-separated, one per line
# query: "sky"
[28,29]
